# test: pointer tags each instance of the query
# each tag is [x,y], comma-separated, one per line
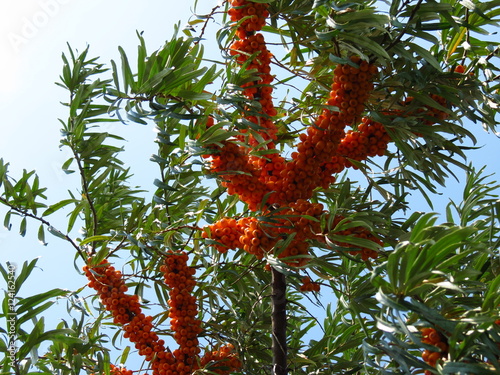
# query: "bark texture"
[279,323]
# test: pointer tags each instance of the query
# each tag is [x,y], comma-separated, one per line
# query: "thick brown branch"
[279,343]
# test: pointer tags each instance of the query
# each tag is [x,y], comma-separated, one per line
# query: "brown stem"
[279,343]
[407,26]
[25,213]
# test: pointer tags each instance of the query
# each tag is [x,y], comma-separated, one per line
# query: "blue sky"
[33,35]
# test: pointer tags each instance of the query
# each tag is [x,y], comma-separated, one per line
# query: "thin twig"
[205,24]
[85,187]
[26,213]
[403,32]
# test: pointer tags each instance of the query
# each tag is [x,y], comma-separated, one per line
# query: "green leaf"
[97,238]
[492,295]
[28,303]
[22,227]
[451,367]
[359,40]
[56,232]
[41,235]
[6,220]
[424,53]
[25,272]
[57,206]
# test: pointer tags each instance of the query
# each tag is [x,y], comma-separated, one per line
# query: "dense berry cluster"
[351,88]
[223,361]
[248,16]
[138,328]
[226,232]
[250,50]
[109,284]
[311,164]
[125,309]
[370,139]
[238,175]
[178,276]
[432,337]
[308,285]
[259,237]
[253,52]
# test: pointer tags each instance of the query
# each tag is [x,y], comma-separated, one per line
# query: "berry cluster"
[309,167]
[370,139]
[248,16]
[250,50]
[259,237]
[226,232]
[115,370]
[256,239]
[432,337]
[126,310]
[109,284]
[322,151]
[308,285]
[254,48]
[222,361]
[238,175]
[178,276]
[351,88]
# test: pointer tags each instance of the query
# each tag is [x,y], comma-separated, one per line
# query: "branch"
[278,300]
[205,24]
[403,32]
[25,213]
[85,187]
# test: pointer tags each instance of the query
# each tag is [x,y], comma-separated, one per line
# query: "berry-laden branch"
[323,150]
[326,148]
[281,189]
[139,328]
